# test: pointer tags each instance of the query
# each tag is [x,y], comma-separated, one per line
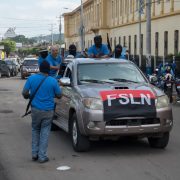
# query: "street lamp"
[60,25]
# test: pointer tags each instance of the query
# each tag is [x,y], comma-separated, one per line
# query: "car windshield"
[9,62]
[30,63]
[109,73]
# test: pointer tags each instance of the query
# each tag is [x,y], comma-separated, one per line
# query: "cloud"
[57,4]
[21,13]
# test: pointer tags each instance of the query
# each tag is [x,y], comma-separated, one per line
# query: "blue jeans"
[41,126]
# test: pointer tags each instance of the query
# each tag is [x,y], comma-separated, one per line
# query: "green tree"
[9,46]
[23,39]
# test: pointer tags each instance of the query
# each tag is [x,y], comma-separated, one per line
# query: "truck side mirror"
[65,81]
[153,80]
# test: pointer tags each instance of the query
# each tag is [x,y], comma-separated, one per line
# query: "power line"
[18,19]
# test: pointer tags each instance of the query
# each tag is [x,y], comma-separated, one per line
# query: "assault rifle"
[109,45]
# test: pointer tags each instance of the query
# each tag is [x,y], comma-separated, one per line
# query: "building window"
[125,7]
[165,43]
[129,44]
[137,5]
[135,44]
[131,6]
[98,16]
[176,41]
[156,44]
[124,43]
[117,7]
[112,10]
[119,40]
[141,44]
[121,8]
[114,42]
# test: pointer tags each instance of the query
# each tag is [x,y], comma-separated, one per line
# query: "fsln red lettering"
[125,99]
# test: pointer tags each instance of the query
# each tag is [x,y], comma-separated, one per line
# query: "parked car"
[110,98]
[12,66]
[16,62]
[29,67]
[4,69]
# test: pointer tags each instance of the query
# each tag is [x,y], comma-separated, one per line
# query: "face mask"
[72,52]
[44,54]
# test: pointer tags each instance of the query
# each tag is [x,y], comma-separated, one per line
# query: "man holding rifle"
[98,50]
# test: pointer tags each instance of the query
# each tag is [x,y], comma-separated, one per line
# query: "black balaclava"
[43,53]
[72,50]
[118,51]
[98,41]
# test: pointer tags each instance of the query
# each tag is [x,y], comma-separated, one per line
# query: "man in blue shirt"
[42,109]
[54,60]
[98,50]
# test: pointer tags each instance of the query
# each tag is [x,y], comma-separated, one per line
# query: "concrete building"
[119,18]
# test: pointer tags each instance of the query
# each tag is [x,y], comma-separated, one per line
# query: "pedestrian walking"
[43,89]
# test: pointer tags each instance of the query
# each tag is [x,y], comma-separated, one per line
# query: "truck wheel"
[80,143]
[8,74]
[159,142]
[22,77]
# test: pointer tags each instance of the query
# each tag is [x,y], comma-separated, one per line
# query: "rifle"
[32,97]
[108,44]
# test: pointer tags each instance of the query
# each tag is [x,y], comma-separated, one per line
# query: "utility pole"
[140,39]
[82,28]
[148,37]
[52,38]
[60,29]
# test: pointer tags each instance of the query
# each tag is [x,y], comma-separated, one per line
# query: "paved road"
[123,160]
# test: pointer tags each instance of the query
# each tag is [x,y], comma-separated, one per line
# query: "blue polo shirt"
[53,62]
[120,57]
[103,50]
[40,60]
[44,98]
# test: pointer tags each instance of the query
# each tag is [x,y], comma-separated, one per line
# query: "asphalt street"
[116,160]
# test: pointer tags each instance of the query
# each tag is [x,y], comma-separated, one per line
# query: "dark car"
[29,67]
[12,67]
[4,69]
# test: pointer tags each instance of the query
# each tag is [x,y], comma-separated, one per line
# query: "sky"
[33,17]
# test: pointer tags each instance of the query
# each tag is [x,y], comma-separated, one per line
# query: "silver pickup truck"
[108,98]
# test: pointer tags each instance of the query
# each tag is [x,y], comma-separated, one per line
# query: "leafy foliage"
[9,46]
[23,39]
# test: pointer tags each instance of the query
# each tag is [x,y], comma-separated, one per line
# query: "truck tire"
[22,77]
[80,143]
[8,74]
[159,142]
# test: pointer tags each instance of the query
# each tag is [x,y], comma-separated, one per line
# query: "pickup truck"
[111,98]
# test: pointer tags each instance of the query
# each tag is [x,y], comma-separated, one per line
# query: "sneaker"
[34,158]
[43,160]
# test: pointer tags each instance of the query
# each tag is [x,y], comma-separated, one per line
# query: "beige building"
[119,18]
